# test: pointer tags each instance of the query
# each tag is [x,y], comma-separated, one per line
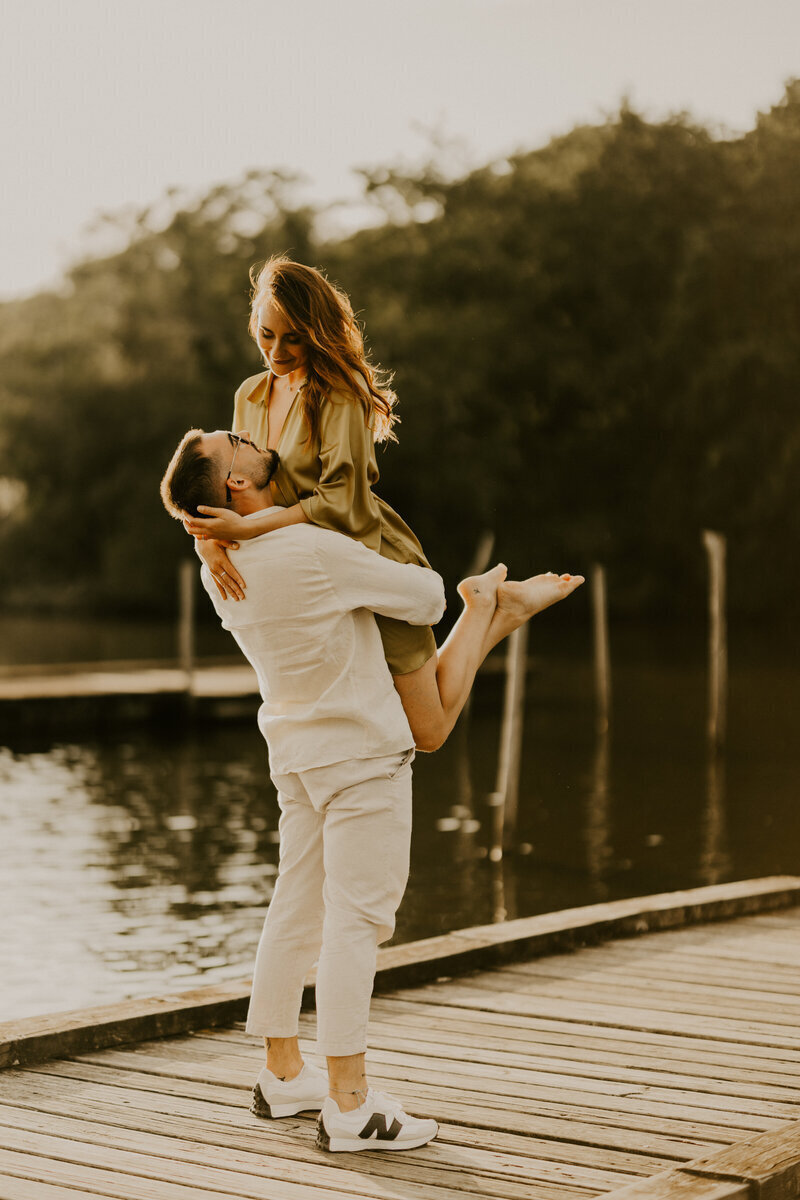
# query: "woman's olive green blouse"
[332,480]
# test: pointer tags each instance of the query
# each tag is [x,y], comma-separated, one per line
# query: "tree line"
[595,345]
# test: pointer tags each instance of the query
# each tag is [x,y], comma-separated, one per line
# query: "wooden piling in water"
[602,653]
[715,546]
[505,798]
[187,572]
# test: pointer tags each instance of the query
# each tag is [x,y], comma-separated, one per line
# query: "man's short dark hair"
[192,478]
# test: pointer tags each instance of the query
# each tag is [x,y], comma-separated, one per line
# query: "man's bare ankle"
[284,1070]
[348,1102]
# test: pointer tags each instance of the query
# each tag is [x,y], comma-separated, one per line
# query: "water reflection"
[715,862]
[137,863]
[597,833]
[132,857]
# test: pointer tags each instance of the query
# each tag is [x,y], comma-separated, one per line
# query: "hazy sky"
[107,103]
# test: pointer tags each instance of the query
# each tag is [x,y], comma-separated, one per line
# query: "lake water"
[142,862]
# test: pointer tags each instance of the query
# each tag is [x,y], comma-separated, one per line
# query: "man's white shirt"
[307,626]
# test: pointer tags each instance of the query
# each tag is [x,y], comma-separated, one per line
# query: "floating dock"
[644,1049]
[80,696]
[110,694]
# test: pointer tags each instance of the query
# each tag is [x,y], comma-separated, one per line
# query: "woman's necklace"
[292,394]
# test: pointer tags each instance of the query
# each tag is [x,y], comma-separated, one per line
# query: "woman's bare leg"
[434,695]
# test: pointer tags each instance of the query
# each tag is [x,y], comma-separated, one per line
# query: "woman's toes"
[529,596]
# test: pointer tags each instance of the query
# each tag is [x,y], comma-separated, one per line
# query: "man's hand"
[228,580]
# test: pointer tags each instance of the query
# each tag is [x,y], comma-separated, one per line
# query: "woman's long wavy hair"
[323,315]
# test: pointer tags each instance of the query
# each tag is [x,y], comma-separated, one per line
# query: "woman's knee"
[428,737]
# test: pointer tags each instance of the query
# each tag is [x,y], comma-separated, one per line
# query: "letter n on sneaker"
[377,1125]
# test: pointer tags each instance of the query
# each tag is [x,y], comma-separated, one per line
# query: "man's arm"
[363,579]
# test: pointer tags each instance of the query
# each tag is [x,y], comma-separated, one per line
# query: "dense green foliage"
[595,346]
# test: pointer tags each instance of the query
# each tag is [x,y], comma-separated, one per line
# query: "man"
[340,749]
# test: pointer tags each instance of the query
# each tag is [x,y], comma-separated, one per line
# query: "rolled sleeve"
[363,579]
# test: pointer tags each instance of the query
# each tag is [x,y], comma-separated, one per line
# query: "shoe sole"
[261,1108]
[354,1145]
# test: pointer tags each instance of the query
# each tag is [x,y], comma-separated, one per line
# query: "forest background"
[595,345]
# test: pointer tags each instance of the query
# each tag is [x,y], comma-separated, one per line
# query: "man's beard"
[266,469]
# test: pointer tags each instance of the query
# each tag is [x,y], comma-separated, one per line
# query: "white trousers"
[345,838]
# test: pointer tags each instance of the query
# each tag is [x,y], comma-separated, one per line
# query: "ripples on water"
[132,857]
[143,863]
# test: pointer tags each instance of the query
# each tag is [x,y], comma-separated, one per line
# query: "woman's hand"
[220,524]
[228,580]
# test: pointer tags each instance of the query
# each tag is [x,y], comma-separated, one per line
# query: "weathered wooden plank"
[644,978]
[13,1188]
[684,1055]
[465,994]
[631,996]
[419,1008]
[495,1150]
[763,1168]
[447,1162]
[556,1079]
[242,1176]
[533,1089]
[595,1051]
[569,1059]
[730,943]
[478,992]
[597,1116]
[37,1038]
[423,1173]
[682,949]
[488,945]
[646,967]
[261,1147]
[449,1058]
[86,1180]
[594,1127]
[495,1068]
[775,920]
[770,1162]
[679,1185]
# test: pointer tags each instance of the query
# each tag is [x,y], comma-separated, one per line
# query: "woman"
[322,406]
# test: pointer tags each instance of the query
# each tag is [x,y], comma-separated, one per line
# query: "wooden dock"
[81,695]
[127,692]
[644,1049]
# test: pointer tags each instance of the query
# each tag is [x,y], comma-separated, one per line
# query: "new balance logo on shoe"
[377,1125]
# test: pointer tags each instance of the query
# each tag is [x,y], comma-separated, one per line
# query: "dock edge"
[60,1035]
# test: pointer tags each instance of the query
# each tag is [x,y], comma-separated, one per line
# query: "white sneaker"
[379,1124]
[274,1097]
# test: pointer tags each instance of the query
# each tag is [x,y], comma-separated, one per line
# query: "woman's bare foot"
[519,600]
[480,591]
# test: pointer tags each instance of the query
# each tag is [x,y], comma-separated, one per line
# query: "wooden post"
[479,563]
[602,654]
[715,546]
[505,797]
[186,579]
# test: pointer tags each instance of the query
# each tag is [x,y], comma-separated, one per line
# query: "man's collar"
[260,511]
